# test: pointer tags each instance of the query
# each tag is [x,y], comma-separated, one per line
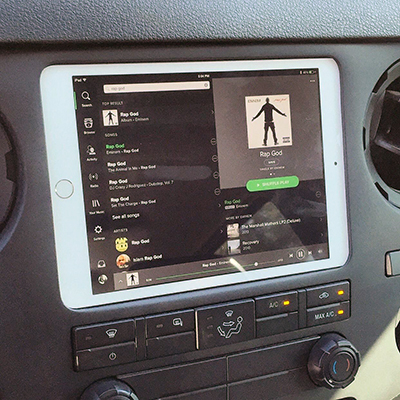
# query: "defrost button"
[98,335]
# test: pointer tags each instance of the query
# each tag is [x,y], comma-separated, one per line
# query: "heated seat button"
[90,336]
[276,304]
[326,314]
[328,294]
[172,344]
[105,356]
[225,324]
[168,324]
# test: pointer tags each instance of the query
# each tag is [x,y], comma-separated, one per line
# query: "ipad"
[173,177]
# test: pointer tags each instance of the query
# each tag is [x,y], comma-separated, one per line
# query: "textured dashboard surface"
[173,20]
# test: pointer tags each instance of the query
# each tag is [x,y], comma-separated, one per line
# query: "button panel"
[269,360]
[178,379]
[274,368]
[183,331]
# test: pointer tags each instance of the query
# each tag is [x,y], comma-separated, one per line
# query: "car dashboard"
[320,321]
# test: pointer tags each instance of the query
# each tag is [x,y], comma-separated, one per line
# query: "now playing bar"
[250,262]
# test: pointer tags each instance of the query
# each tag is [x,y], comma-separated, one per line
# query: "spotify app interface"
[200,174]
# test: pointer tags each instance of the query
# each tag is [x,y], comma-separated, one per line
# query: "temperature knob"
[109,389]
[333,362]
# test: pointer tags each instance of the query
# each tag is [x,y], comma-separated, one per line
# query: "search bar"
[156,87]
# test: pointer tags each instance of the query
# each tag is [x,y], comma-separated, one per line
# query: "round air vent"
[10,173]
[382,134]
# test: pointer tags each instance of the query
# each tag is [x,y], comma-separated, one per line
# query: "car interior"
[200,200]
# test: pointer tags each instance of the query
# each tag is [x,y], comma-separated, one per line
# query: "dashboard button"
[169,345]
[393,263]
[225,324]
[98,335]
[277,324]
[276,304]
[328,294]
[105,356]
[168,324]
[327,314]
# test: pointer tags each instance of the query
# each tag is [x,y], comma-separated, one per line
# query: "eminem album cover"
[268,121]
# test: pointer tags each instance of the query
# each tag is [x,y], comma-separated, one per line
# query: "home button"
[64,189]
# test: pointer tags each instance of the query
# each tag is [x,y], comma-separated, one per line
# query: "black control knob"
[109,389]
[333,362]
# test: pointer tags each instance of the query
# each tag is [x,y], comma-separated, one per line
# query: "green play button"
[258,185]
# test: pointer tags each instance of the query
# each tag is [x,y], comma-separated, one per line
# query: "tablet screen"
[191,175]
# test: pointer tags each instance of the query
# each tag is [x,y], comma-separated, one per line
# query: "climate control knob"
[109,389]
[333,362]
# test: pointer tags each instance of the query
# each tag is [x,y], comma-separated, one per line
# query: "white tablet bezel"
[64,164]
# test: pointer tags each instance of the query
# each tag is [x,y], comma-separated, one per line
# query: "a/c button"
[326,314]
[275,304]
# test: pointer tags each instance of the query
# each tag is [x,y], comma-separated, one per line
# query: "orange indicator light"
[286,302]
[340,292]
[340,312]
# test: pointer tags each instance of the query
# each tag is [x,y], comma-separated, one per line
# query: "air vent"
[10,173]
[397,335]
[382,135]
